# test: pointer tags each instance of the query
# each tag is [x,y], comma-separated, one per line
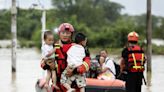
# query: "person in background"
[132,61]
[107,65]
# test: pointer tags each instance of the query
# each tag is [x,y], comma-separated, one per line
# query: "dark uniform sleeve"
[125,54]
[87,53]
[125,57]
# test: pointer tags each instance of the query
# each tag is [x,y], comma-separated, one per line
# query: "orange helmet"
[133,36]
[66,27]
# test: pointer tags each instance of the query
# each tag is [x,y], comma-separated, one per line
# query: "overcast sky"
[139,6]
[132,7]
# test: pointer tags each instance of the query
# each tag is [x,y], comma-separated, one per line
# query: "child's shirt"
[110,65]
[46,50]
[75,55]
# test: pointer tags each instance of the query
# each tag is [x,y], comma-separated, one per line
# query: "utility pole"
[149,37]
[14,32]
[43,23]
[43,20]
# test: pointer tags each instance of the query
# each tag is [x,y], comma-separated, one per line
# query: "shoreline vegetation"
[156,50]
[101,21]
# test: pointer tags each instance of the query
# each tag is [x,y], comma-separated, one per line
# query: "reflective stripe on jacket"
[136,59]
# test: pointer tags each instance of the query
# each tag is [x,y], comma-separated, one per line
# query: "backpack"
[117,68]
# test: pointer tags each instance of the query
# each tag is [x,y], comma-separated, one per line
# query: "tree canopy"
[100,20]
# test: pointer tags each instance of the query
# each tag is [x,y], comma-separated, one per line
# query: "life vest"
[136,59]
[61,57]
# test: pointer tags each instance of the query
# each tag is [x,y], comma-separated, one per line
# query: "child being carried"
[75,56]
[48,58]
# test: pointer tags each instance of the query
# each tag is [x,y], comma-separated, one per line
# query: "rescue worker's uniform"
[61,57]
[134,59]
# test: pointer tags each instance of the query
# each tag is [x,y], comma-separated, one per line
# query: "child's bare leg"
[66,81]
[68,87]
[82,89]
[42,62]
[48,78]
[54,79]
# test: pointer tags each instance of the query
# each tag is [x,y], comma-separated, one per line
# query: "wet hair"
[104,50]
[79,37]
[46,34]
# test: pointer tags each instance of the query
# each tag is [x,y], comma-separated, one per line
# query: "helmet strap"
[133,42]
[65,42]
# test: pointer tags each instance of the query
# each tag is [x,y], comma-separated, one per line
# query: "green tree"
[5,24]
[159,32]
[93,13]
[28,22]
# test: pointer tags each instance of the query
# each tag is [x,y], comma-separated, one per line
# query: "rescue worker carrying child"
[65,33]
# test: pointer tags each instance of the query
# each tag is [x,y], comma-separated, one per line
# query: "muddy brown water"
[28,71]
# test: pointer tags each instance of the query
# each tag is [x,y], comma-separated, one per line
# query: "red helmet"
[133,36]
[66,27]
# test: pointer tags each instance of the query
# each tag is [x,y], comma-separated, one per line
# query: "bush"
[36,37]
[158,49]
[26,43]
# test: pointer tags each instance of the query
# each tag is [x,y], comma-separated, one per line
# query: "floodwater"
[28,71]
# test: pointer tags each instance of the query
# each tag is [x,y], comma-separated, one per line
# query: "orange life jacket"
[61,57]
[136,59]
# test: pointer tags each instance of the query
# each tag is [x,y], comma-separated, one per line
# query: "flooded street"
[28,71]
[157,81]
